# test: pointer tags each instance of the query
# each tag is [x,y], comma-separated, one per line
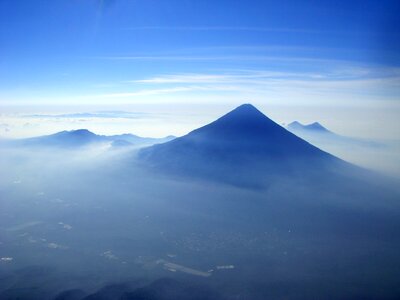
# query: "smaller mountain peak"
[74,134]
[316,126]
[295,124]
[81,132]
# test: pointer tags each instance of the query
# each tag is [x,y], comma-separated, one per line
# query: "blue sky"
[286,57]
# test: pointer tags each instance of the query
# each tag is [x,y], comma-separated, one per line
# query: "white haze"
[91,217]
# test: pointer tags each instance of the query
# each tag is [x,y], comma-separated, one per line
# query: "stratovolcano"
[243,147]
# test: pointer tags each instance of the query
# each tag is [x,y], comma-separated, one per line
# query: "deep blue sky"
[54,29]
[113,52]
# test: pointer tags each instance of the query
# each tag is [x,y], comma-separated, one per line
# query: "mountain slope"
[243,147]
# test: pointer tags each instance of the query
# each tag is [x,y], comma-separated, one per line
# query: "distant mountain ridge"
[317,134]
[315,127]
[84,137]
[243,147]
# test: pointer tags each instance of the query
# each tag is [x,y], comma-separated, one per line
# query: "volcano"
[243,147]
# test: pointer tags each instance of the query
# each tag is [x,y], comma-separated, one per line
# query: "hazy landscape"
[199,149]
[240,208]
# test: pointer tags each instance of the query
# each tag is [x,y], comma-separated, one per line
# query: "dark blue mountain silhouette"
[84,137]
[244,147]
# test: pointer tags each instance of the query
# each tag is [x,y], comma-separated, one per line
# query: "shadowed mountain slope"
[243,147]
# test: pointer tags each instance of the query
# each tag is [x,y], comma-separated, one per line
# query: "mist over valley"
[238,209]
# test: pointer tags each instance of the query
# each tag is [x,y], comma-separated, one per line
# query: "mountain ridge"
[83,137]
[315,127]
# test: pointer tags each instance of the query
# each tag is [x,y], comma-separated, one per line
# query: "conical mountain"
[243,147]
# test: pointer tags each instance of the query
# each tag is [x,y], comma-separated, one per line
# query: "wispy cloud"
[5,127]
[236,58]
[164,91]
[242,77]
[346,80]
[281,30]
[347,75]
[349,81]
[87,115]
[145,92]
[223,28]
[322,83]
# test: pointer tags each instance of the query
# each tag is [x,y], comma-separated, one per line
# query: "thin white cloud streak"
[349,80]
[184,58]
[92,115]
[303,61]
[348,77]
[243,28]
[304,31]
[218,58]
[146,92]
[267,47]
[214,78]
[256,78]
[223,28]
[328,85]
[165,91]
[297,88]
